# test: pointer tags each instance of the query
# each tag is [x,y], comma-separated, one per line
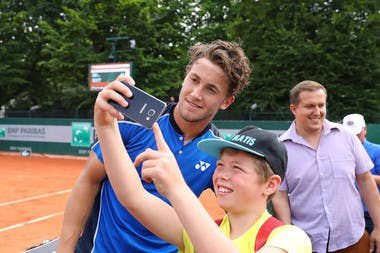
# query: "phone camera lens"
[151,112]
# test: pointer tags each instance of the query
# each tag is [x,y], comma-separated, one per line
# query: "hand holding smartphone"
[142,108]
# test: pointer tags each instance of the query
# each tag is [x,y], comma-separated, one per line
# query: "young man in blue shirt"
[215,74]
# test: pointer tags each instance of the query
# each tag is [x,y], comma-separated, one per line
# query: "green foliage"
[334,43]
[46,47]
[14,65]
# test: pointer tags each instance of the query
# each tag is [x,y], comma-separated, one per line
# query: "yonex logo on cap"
[244,139]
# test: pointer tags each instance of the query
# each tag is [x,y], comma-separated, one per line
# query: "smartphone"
[142,108]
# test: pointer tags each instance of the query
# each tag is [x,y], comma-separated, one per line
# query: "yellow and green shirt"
[290,238]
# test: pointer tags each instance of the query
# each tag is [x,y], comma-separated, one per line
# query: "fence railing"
[49,114]
[221,115]
[87,114]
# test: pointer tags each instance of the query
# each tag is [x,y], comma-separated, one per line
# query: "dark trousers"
[362,246]
[368,223]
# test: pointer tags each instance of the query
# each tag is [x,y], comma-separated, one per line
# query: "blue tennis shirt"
[111,228]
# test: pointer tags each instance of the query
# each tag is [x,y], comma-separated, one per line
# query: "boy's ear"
[272,184]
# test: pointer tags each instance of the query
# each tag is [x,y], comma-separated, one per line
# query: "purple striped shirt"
[320,183]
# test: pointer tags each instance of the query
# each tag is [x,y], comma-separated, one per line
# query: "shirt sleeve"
[290,238]
[376,161]
[127,129]
[362,159]
[188,246]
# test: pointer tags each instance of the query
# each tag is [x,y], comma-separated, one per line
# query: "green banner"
[81,134]
[3,132]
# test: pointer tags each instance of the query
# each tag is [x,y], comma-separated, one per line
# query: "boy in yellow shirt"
[248,173]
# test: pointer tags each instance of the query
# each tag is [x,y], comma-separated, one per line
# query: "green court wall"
[373,130]
[47,136]
[74,136]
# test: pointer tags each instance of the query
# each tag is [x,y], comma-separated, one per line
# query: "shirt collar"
[291,133]
[170,110]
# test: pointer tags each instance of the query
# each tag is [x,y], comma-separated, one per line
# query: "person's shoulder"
[169,108]
[210,131]
[129,128]
[288,134]
[338,130]
[290,238]
[285,136]
[214,130]
[373,149]
[372,144]
[286,228]
[336,126]
[331,126]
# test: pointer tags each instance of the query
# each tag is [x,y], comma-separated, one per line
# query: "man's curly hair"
[227,55]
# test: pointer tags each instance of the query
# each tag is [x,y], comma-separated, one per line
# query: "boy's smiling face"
[237,184]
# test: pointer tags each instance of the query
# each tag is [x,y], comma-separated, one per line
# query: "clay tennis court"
[33,195]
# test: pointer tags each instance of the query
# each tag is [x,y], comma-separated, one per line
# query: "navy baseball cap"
[255,141]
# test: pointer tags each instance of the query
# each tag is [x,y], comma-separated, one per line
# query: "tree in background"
[78,37]
[333,42]
[46,46]
[18,77]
